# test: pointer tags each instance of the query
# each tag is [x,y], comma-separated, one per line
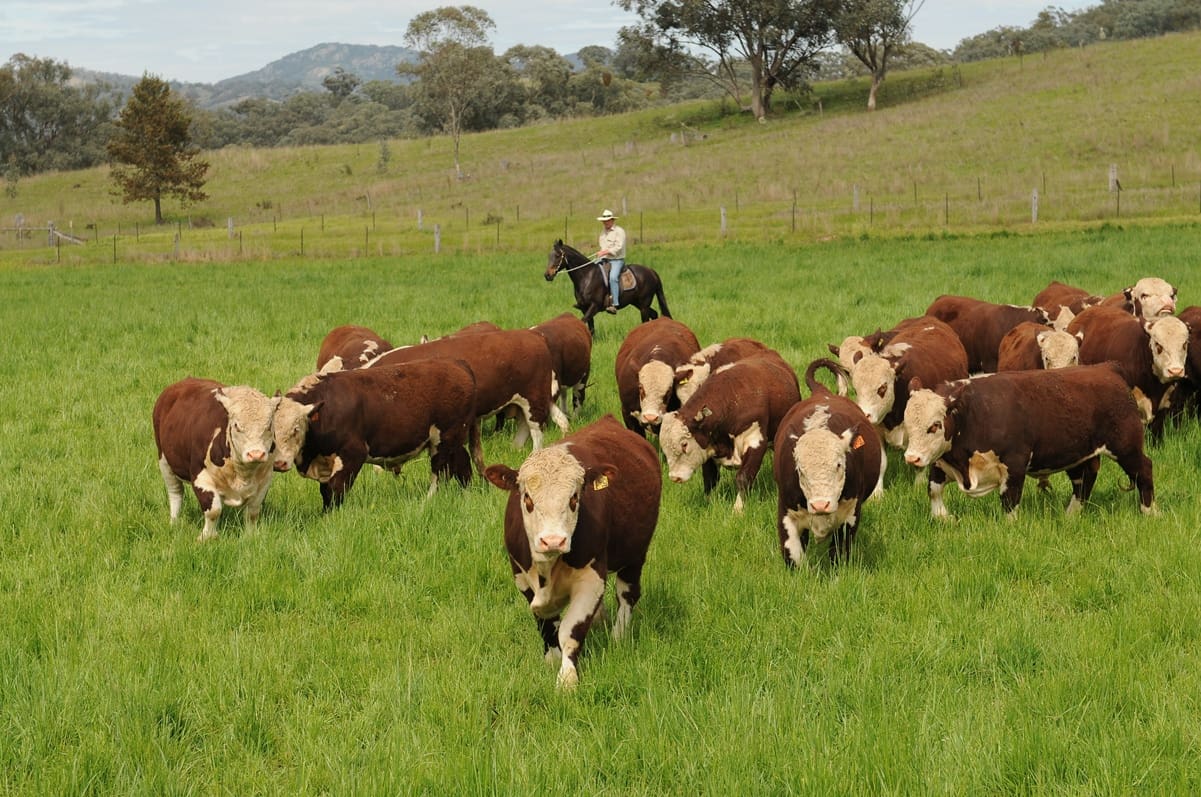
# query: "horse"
[592,289]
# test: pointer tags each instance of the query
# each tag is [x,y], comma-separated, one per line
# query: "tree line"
[743,50]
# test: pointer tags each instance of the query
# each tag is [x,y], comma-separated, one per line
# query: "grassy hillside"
[959,149]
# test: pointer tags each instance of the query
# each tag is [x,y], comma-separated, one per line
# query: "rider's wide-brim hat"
[606,215]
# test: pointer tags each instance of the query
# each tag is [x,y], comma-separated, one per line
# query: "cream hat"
[606,215]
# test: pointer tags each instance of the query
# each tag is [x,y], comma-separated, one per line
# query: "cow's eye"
[1158,348]
[935,427]
[529,503]
[684,446]
[882,390]
[574,503]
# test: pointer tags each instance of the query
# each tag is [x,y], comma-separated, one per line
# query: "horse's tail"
[660,297]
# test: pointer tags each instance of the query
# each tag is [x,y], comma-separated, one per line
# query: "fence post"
[723,221]
[229,227]
[420,221]
[437,238]
[1034,207]
[1113,178]
[855,201]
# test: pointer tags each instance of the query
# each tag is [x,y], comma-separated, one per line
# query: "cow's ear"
[915,384]
[502,476]
[1080,335]
[600,477]
[1041,337]
[314,410]
[833,349]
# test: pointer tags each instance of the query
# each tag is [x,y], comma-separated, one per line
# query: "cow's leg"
[344,478]
[936,483]
[1137,467]
[1011,494]
[254,504]
[752,460]
[710,474]
[210,505]
[1082,477]
[174,488]
[628,584]
[793,540]
[477,447]
[587,592]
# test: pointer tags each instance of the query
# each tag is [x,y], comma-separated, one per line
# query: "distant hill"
[278,80]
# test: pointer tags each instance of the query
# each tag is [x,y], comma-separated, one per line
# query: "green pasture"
[383,649]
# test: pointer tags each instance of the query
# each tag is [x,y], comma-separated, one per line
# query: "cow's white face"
[655,382]
[1169,347]
[291,427]
[851,351]
[925,428]
[689,377]
[251,415]
[550,486]
[821,462]
[873,379]
[1058,349]
[683,453]
[1153,298]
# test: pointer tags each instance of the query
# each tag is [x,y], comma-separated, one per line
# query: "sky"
[206,42]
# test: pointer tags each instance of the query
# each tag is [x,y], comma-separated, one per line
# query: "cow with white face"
[645,369]
[1153,355]
[925,348]
[1029,346]
[991,431]
[220,439]
[829,460]
[1149,298]
[577,511]
[730,421]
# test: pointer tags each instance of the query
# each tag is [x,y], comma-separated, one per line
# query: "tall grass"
[383,648]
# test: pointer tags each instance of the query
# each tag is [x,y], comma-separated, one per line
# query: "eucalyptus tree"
[873,30]
[454,66]
[152,148]
[770,43]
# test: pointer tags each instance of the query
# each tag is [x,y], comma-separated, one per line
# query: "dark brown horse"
[592,289]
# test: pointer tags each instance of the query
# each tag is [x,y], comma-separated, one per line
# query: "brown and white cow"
[511,367]
[579,510]
[693,373]
[220,439]
[1063,302]
[1149,298]
[645,368]
[570,346]
[980,325]
[923,347]
[991,431]
[349,346]
[331,424]
[1030,346]
[731,420]
[1187,395]
[1152,354]
[828,461]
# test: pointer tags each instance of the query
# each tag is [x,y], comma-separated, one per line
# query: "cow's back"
[1109,333]
[355,345]
[570,346]
[187,419]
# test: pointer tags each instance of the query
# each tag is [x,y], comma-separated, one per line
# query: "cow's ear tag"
[858,441]
[600,483]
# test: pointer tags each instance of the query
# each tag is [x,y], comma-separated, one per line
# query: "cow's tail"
[833,367]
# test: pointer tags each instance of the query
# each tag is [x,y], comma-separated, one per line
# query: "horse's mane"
[569,249]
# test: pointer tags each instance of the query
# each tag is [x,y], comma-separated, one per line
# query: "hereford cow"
[1152,355]
[645,368]
[691,374]
[570,346]
[349,346]
[828,461]
[1063,302]
[1186,394]
[1149,298]
[578,510]
[991,431]
[731,420]
[923,347]
[333,423]
[473,328]
[219,439]
[980,325]
[511,367]
[1030,346]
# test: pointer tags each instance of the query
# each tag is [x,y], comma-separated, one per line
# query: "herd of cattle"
[986,394]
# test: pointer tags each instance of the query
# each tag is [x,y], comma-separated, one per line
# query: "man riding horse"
[612,251]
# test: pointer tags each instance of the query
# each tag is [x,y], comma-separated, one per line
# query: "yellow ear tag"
[858,442]
[600,483]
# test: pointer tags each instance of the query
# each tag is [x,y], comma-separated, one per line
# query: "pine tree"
[152,148]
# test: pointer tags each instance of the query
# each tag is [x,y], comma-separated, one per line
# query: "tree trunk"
[158,210]
[871,95]
[757,88]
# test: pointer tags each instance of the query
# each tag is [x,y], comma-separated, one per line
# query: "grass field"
[382,648]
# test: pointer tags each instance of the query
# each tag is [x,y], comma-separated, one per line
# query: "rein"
[563,259]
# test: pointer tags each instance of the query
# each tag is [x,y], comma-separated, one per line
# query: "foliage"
[777,41]
[47,122]
[341,83]
[153,150]
[872,30]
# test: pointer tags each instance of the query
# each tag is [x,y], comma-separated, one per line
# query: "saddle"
[626,281]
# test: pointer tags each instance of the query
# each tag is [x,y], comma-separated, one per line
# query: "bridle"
[562,259]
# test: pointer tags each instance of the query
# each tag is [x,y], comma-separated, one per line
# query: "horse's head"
[557,260]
